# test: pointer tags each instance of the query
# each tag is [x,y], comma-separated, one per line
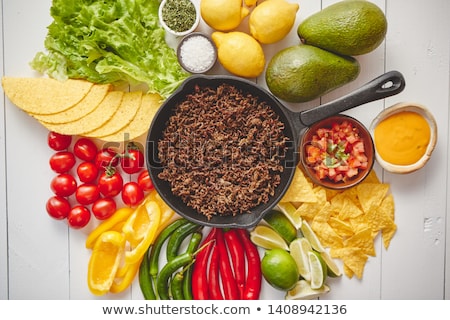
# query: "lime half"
[299,249]
[281,224]
[303,291]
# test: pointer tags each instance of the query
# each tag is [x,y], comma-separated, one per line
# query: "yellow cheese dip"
[402,138]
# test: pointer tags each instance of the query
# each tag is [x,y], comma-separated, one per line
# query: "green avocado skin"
[348,27]
[302,72]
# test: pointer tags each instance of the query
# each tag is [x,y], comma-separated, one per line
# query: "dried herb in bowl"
[179,15]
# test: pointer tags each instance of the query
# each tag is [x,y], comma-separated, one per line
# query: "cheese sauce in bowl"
[405,135]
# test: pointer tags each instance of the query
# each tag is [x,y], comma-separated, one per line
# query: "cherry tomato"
[63,185]
[78,217]
[132,160]
[110,185]
[57,141]
[58,207]
[87,193]
[87,172]
[144,181]
[62,161]
[85,149]
[106,158]
[104,208]
[132,194]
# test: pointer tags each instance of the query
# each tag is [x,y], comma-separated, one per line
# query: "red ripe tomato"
[58,142]
[144,181]
[85,149]
[78,217]
[63,185]
[132,160]
[106,158]
[62,161]
[58,207]
[104,208]
[87,172]
[132,194]
[110,185]
[87,193]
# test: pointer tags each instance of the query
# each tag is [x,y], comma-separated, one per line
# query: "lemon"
[332,268]
[281,224]
[267,238]
[279,269]
[272,20]
[309,234]
[318,269]
[299,249]
[239,53]
[289,210]
[303,291]
[223,15]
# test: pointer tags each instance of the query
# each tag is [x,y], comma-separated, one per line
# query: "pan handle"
[384,86]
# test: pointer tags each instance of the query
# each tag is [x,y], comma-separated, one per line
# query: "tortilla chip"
[353,258]
[328,237]
[45,95]
[363,240]
[126,112]
[300,189]
[86,106]
[370,195]
[150,104]
[342,228]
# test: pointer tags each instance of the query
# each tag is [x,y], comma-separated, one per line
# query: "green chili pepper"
[145,281]
[176,286]
[187,280]
[159,241]
[177,237]
[162,282]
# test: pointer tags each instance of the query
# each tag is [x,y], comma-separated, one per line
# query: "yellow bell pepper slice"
[142,224]
[120,215]
[125,276]
[106,257]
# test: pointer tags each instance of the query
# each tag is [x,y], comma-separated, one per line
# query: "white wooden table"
[41,258]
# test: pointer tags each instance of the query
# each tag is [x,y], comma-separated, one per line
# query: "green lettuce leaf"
[109,41]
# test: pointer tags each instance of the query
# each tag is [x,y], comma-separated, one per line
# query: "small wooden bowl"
[368,148]
[401,107]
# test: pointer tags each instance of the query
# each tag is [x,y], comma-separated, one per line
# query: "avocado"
[302,72]
[349,27]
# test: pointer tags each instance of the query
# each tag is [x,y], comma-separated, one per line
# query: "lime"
[318,269]
[289,211]
[332,268]
[303,291]
[299,249]
[311,236]
[279,269]
[281,224]
[267,238]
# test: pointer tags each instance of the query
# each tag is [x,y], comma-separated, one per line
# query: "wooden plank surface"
[41,258]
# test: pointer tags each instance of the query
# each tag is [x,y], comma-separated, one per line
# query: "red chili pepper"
[254,276]
[237,258]
[230,289]
[200,290]
[213,275]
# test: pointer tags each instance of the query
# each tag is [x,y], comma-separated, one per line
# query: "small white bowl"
[401,107]
[199,56]
[178,33]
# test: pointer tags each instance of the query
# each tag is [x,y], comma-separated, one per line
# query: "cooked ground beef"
[222,151]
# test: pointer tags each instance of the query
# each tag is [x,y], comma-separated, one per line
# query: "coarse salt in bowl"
[197,53]
[178,17]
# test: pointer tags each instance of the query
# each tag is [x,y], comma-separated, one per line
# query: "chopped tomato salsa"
[336,153]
